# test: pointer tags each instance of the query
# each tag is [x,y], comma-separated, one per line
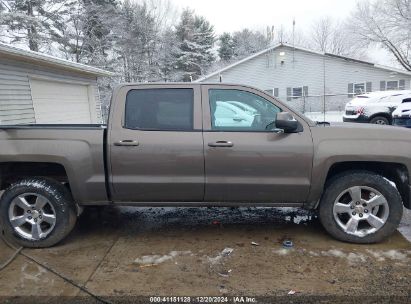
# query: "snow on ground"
[157,259]
[331,116]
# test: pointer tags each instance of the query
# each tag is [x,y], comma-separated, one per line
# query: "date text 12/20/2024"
[233,299]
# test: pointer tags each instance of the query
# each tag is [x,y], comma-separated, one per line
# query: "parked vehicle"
[231,115]
[375,107]
[402,115]
[163,147]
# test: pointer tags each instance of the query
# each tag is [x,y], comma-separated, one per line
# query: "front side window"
[236,110]
[160,109]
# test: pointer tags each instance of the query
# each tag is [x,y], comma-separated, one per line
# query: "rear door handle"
[221,144]
[127,143]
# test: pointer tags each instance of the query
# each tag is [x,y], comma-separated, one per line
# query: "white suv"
[375,107]
[402,115]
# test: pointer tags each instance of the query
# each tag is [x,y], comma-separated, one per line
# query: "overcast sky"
[231,15]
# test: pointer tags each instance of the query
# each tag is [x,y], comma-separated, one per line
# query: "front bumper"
[402,122]
[355,118]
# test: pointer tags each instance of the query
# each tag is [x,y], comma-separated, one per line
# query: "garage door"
[59,102]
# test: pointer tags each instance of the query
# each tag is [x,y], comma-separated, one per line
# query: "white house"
[309,80]
[42,89]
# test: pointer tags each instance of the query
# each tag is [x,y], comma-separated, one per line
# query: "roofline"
[378,66]
[52,60]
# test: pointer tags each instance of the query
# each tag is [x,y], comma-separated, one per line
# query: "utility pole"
[293,41]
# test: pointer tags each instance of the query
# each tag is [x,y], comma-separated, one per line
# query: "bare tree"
[289,36]
[385,23]
[334,37]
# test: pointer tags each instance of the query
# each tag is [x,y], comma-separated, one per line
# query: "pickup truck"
[182,144]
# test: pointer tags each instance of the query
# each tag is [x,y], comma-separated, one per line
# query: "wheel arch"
[381,114]
[11,172]
[394,172]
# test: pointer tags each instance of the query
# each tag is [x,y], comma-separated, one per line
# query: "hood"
[362,133]
[352,142]
[358,102]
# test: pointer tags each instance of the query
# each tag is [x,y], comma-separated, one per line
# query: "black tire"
[58,197]
[380,120]
[344,181]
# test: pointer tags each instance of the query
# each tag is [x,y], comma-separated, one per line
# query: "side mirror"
[286,122]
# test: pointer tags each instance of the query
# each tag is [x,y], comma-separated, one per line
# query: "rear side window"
[160,109]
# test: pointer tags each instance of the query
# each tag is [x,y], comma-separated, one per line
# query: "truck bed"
[80,149]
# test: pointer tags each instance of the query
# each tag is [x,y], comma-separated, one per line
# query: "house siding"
[16,105]
[298,68]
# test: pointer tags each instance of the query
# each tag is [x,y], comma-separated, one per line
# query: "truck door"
[155,144]
[243,160]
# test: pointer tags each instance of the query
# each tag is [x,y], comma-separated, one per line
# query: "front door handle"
[221,144]
[127,143]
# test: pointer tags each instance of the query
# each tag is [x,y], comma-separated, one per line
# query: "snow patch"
[282,251]
[356,258]
[225,253]
[330,116]
[158,259]
[389,254]
[334,252]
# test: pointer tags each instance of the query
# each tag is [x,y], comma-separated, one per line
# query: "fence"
[317,103]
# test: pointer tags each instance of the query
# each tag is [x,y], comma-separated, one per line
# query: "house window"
[272,92]
[297,92]
[392,85]
[359,88]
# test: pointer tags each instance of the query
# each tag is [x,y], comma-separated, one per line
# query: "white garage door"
[60,103]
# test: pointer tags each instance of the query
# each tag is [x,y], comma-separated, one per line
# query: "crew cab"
[175,144]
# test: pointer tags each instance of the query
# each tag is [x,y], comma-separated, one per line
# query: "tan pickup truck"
[193,144]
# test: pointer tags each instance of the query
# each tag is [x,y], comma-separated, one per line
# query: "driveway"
[121,252]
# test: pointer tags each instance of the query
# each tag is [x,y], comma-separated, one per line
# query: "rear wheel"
[360,207]
[37,212]
[380,120]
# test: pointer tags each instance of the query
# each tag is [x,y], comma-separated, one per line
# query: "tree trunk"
[31,31]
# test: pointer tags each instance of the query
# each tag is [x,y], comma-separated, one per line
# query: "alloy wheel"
[32,216]
[361,210]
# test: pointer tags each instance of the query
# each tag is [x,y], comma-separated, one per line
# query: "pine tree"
[32,22]
[136,42]
[196,36]
[226,47]
[86,35]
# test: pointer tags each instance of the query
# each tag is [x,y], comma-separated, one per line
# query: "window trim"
[124,124]
[396,88]
[398,81]
[280,107]
[352,94]
[206,115]
[297,96]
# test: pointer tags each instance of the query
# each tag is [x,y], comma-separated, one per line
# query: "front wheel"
[37,212]
[380,120]
[360,207]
